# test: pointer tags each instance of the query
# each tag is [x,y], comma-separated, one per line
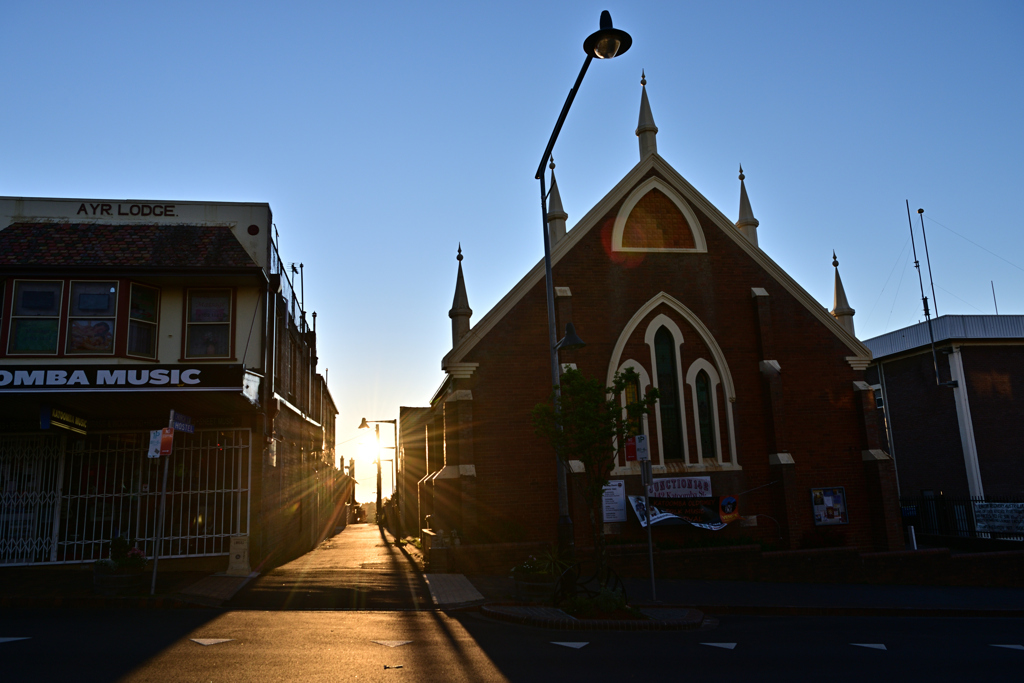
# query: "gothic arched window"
[668,390]
[705,414]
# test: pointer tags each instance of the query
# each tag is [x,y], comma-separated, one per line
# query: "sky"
[383,135]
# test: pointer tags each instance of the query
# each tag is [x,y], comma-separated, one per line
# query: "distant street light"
[396,497]
[606,43]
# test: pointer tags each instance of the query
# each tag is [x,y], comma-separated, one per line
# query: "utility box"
[238,564]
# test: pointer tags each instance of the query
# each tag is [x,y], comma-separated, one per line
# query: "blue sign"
[182,423]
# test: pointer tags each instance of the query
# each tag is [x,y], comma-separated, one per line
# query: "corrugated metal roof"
[946,328]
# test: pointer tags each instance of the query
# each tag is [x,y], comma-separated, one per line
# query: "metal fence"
[965,517]
[62,500]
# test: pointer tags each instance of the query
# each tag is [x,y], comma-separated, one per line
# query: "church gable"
[654,217]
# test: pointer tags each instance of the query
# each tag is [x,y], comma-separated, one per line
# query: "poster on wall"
[705,513]
[999,518]
[613,502]
[829,505]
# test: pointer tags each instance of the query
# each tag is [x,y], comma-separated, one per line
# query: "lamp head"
[607,42]
[570,340]
[363,425]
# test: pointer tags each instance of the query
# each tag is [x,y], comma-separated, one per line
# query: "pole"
[566,543]
[928,260]
[646,477]
[158,545]
[397,486]
[924,299]
[379,521]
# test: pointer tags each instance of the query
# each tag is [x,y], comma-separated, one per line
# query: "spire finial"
[459,257]
[551,163]
[741,172]
[645,128]
[835,261]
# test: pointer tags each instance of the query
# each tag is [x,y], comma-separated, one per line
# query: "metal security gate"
[67,503]
[30,475]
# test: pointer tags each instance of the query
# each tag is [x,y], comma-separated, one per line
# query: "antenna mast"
[928,260]
[924,299]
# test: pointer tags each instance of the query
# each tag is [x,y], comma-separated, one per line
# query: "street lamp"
[365,425]
[606,43]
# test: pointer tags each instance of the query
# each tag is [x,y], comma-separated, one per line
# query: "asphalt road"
[339,645]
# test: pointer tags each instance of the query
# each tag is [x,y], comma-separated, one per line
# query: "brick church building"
[762,389]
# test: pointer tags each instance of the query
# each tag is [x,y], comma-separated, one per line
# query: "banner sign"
[18,379]
[829,506]
[706,513]
[680,487]
[613,501]
[999,518]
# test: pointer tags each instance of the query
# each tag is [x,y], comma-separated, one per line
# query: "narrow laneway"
[358,569]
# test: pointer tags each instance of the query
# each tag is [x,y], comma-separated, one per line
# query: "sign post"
[643,456]
[166,449]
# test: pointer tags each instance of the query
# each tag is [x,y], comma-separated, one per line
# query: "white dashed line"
[10,640]
[1010,647]
[574,646]
[873,646]
[724,646]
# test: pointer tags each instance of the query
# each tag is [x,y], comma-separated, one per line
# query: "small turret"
[840,306]
[556,214]
[645,128]
[460,312]
[746,224]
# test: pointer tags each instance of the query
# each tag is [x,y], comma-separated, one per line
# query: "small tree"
[592,427]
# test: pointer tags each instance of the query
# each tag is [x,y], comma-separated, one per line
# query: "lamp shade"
[363,424]
[607,42]
[570,340]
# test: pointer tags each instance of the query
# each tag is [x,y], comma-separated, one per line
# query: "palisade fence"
[965,517]
[62,500]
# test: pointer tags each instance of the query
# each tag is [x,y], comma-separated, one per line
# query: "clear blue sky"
[383,134]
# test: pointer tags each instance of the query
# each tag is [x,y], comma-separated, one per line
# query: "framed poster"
[829,505]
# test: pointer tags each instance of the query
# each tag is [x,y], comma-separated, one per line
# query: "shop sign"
[55,417]
[15,379]
[829,506]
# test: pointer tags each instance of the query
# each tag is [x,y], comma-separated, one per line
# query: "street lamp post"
[606,43]
[395,492]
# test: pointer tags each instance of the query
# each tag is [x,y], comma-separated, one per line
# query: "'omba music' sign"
[35,379]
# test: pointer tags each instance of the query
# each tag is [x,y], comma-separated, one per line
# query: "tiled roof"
[81,244]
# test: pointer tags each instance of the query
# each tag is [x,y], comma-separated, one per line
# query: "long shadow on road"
[359,568]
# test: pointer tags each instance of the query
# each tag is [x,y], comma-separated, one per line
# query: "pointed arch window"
[705,416]
[668,389]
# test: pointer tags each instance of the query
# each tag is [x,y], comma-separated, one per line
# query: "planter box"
[119,583]
[536,588]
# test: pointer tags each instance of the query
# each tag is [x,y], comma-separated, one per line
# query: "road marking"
[724,646]
[211,641]
[9,640]
[1010,647]
[574,646]
[873,646]
[391,643]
